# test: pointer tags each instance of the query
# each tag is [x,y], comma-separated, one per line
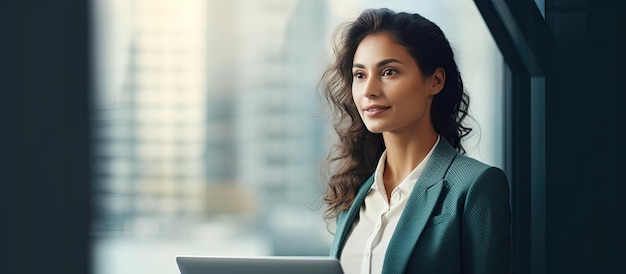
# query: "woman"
[405,198]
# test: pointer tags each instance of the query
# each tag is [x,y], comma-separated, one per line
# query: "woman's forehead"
[380,46]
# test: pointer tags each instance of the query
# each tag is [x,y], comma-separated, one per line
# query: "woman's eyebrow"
[380,64]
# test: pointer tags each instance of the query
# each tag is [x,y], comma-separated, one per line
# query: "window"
[207,133]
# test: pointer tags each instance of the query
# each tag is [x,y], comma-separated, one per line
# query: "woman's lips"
[375,110]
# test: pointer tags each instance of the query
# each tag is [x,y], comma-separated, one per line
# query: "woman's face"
[388,87]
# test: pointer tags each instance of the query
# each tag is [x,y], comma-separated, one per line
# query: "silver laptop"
[258,265]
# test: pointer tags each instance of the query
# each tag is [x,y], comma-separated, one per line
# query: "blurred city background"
[209,128]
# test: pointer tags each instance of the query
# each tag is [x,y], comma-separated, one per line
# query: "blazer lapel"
[418,209]
[345,219]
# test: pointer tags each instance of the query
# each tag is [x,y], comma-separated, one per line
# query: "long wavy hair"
[355,155]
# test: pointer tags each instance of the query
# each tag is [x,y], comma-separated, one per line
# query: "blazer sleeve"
[485,231]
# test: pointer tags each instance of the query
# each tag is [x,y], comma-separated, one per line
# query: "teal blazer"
[457,219]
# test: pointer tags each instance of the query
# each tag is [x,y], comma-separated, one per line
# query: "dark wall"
[585,127]
[44,151]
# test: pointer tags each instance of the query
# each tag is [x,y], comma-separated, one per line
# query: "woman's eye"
[358,75]
[389,72]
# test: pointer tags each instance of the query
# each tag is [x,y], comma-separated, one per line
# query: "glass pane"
[208,133]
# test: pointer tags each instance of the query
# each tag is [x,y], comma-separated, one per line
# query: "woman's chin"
[374,129]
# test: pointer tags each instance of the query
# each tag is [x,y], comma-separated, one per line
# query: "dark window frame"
[529,51]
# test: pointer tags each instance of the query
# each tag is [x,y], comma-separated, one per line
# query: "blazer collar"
[345,219]
[414,217]
[418,209]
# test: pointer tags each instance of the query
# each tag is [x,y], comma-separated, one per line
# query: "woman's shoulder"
[465,170]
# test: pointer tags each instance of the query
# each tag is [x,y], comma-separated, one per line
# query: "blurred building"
[281,57]
[208,109]
[152,118]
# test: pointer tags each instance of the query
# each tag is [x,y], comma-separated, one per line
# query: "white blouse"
[365,247]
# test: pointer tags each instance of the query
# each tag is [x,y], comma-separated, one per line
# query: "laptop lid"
[258,265]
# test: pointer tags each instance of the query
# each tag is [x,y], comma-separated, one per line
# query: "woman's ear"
[438,80]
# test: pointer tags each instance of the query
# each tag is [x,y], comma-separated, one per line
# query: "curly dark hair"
[353,158]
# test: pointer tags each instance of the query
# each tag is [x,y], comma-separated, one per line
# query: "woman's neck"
[404,153]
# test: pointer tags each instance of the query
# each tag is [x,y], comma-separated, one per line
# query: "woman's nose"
[372,87]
